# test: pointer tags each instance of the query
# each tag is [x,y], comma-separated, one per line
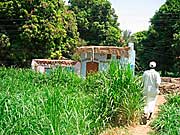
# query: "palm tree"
[126,37]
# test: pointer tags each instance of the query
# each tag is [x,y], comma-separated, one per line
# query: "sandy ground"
[144,129]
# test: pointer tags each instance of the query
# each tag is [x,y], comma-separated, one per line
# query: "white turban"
[152,64]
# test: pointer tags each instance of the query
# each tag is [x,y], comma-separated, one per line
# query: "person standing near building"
[151,82]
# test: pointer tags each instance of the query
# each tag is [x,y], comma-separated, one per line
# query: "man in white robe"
[151,81]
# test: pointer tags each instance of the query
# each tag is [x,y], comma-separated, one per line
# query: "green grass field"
[61,103]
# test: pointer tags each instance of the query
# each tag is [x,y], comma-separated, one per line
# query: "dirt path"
[144,129]
[138,129]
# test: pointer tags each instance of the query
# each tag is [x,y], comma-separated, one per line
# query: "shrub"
[168,122]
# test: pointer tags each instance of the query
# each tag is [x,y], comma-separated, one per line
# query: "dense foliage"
[48,29]
[145,45]
[166,22]
[168,122]
[138,39]
[161,41]
[97,22]
[62,103]
[36,29]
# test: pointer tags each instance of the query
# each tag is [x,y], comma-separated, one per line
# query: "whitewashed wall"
[104,62]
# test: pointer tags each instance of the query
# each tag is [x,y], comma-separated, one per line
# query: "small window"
[89,55]
[108,56]
[118,57]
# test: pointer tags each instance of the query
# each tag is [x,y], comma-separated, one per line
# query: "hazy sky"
[134,15]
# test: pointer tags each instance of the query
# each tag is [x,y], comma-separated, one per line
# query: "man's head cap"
[152,64]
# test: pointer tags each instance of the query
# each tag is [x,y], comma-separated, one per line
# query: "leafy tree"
[161,41]
[139,38]
[37,29]
[97,22]
[166,24]
[176,47]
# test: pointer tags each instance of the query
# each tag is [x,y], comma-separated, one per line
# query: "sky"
[134,15]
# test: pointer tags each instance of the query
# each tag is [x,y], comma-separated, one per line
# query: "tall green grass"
[63,103]
[32,103]
[119,95]
[168,120]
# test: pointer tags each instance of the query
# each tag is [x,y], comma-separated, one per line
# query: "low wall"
[169,85]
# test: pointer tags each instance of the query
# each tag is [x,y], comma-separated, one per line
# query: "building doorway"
[91,67]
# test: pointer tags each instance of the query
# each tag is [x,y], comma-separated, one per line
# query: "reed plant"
[119,95]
